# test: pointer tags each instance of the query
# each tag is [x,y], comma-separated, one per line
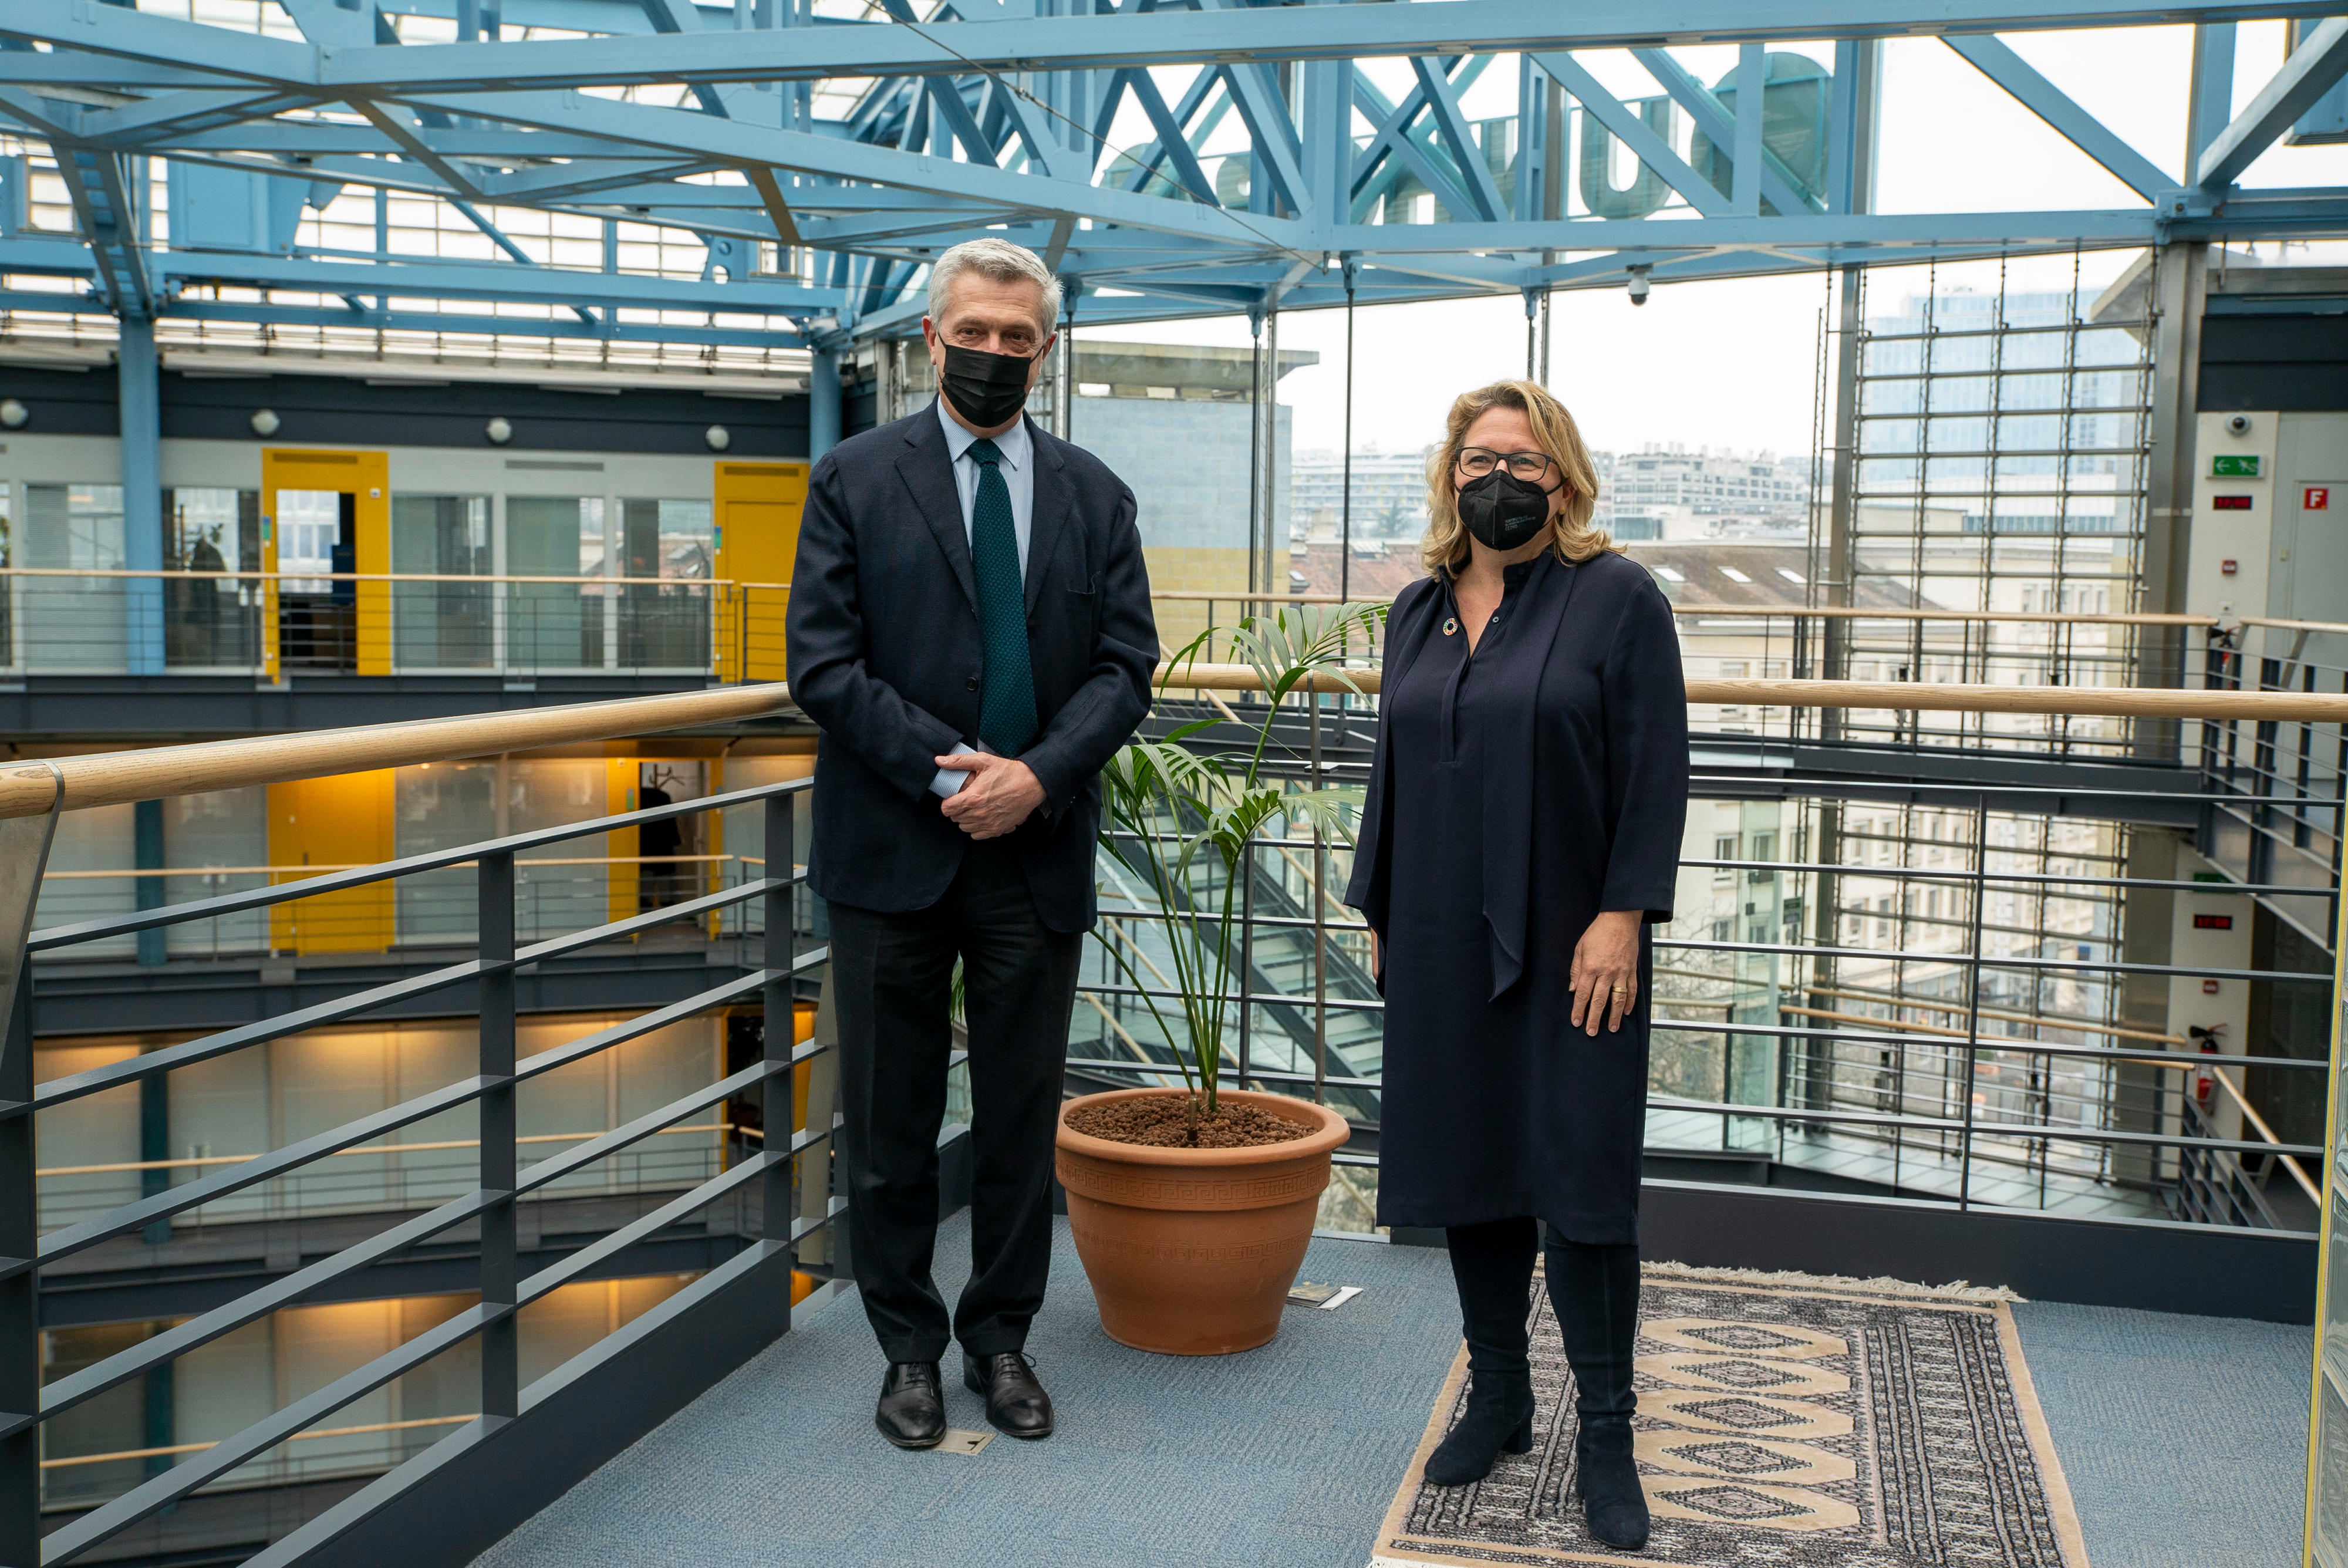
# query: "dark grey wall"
[2294,364]
[345,411]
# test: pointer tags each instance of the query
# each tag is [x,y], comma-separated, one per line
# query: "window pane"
[74,622]
[442,625]
[210,621]
[664,624]
[549,626]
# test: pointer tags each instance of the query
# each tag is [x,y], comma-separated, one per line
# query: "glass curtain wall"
[437,806]
[2002,438]
[74,624]
[212,623]
[447,624]
[555,625]
[667,624]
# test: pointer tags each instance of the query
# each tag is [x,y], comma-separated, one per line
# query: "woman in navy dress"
[1521,833]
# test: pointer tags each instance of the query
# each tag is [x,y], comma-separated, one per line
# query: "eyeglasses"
[1529,467]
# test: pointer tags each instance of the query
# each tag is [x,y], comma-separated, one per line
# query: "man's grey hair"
[1000,260]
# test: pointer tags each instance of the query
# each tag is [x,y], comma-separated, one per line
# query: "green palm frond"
[1167,808]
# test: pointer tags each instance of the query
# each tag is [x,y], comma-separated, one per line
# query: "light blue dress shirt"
[1018,470]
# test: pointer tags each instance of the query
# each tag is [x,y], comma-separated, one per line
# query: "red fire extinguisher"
[2204,1084]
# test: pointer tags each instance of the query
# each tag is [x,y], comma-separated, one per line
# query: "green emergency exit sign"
[2234,466]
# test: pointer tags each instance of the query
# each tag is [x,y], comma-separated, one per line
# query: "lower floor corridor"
[2181,1440]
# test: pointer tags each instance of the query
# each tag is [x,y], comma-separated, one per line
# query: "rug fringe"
[1960,1290]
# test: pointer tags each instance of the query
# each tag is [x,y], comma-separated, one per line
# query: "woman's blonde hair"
[1445,544]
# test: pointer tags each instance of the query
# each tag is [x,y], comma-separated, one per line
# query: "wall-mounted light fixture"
[498,431]
[266,421]
[13,414]
[718,437]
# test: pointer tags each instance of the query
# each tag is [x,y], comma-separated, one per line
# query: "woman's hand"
[1605,978]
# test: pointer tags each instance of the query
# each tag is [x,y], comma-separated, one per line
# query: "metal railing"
[1960,1058]
[488,1198]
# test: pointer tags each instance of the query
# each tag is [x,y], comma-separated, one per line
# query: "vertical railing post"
[1320,921]
[24,857]
[1247,954]
[1973,1005]
[782,1029]
[20,1327]
[501,1261]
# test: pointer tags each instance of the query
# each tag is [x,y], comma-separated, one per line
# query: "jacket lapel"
[1048,515]
[927,469]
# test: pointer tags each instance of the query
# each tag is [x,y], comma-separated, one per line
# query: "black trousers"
[1593,1288]
[892,981]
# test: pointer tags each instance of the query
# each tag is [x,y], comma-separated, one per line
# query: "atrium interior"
[407,411]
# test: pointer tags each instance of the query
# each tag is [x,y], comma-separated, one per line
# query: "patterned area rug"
[1817,1424]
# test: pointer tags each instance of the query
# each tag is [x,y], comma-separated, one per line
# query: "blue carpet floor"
[1284,1456]
[2182,1439]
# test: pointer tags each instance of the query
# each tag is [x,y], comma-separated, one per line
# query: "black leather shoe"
[912,1412]
[1498,1420]
[1016,1405]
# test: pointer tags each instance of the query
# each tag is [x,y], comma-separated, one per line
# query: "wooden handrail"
[2275,625]
[296,575]
[115,778]
[1778,612]
[1848,613]
[1903,696]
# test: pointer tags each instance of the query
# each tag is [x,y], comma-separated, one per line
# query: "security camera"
[2239,424]
[1639,285]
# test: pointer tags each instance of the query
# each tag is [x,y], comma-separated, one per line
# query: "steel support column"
[2180,279]
[139,395]
[823,403]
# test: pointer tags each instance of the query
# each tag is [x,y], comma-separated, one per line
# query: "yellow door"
[344,820]
[365,478]
[620,775]
[758,506]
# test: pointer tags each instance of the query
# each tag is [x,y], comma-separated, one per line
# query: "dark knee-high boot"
[1492,1265]
[1594,1291]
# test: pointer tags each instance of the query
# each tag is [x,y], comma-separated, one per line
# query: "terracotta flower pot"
[1191,1252]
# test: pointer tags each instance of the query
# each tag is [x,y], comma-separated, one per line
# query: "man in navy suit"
[970,628]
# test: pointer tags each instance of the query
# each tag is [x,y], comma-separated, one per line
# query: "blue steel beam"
[2320,60]
[733,142]
[1451,125]
[1103,42]
[1997,61]
[1627,128]
[494,281]
[1097,42]
[1710,116]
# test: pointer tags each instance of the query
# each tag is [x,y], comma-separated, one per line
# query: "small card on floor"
[1327,1297]
[958,1441]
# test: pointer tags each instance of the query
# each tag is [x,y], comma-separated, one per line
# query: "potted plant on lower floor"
[1191,1208]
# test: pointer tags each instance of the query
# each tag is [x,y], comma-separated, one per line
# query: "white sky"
[1731,364]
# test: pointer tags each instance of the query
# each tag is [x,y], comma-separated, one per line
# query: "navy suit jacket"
[885,657]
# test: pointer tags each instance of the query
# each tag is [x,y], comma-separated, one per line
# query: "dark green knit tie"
[1006,707]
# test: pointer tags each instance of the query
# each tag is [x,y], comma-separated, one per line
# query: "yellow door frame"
[365,477]
[758,515]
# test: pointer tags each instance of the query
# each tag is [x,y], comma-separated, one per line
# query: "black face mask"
[987,389]
[1503,511]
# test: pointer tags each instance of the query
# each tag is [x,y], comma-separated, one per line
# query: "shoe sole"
[979,1388]
[901,1444]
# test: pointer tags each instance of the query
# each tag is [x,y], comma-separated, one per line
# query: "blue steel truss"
[997,115]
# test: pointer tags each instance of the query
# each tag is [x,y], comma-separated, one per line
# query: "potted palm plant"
[1191,1208]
